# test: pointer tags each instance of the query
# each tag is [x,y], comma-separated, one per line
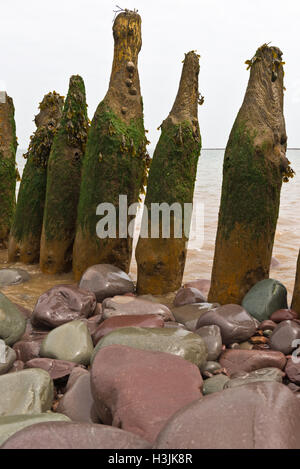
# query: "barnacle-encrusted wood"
[63,182]
[24,241]
[115,161]
[171,179]
[8,172]
[255,165]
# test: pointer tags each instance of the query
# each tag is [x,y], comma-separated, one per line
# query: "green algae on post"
[24,241]
[8,171]
[255,166]
[116,160]
[63,182]
[171,180]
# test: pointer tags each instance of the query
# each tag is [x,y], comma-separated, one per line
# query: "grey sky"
[44,42]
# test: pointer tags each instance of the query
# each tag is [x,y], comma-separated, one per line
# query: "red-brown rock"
[284,315]
[267,325]
[27,350]
[74,375]
[202,284]
[253,416]
[93,323]
[71,435]
[116,322]
[292,371]
[139,390]
[62,304]
[57,369]
[32,333]
[130,305]
[250,360]
[188,295]
[77,402]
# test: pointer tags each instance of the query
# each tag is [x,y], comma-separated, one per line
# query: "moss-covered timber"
[254,167]
[115,161]
[63,182]
[8,172]
[171,180]
[24,241]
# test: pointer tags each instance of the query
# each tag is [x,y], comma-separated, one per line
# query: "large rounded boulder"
[253,416]
[175,341]
[139,390]
[73,435]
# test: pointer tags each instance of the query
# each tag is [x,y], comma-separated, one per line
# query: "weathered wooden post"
[63,182]
[24,241]
[254,167]
[115,162]
[8,172]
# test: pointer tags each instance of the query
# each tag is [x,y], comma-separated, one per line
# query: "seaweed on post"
[63,182]
[24,241]
[255,165]
[116,159]
[8,170]
[171,180]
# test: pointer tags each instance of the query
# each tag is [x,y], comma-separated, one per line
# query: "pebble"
[188,295]
[13,424]
[179,342]
[235,323]
[71,342]
[12,321]
[284,315]
[13,277]
[265,298]
[213,340]
[25,392]
[235,361]
[284,335]
[62,304]
[7,357]
[130,306]
[214,384]
[261,375]
[106,281]
[190,314]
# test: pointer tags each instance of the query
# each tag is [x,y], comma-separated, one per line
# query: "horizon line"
[212,148]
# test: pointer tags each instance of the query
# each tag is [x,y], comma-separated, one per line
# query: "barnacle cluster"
[276,61]
[76,123]
[200,99]
[288,174]
[256,57]
[40,146]
[51,101]
[276,64]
